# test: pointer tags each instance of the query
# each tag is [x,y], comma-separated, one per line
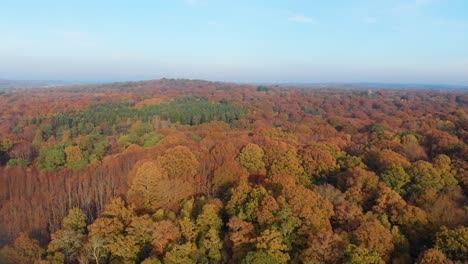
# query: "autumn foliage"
[182,171]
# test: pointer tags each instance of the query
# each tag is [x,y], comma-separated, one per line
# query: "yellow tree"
[251,158]
[73,153]
[145,190]
[24,250]
[179,162]
[271,241]
[123,233]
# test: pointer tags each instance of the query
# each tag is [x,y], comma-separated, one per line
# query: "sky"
[261,41]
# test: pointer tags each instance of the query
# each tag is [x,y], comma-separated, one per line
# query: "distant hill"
[377,85]
[28,84]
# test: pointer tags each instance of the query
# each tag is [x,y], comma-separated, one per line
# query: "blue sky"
[410,41]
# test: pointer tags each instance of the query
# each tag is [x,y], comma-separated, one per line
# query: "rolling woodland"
[189,171]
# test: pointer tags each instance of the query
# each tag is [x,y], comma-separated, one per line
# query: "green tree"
[358,255]
[181,254]
[453,242]
[424,177]
[396,178]
[209,224]
[75,220]
[52,157]
[443,164]
[18,162]
[71,237]
[6,144]
[150,139]
[260,257]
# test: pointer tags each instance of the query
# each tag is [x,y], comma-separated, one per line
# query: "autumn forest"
[189,171]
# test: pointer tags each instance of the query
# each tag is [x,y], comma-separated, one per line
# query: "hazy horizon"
[408,42]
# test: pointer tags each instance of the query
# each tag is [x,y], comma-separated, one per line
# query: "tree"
[23,150]
[150,139]
[181,254]
[75,159]
[238,195]
[226,175]
[6,144]
[310,208]
[145,190]
[271,242]
[358,255]
[260,257]
[359,185]
[424,177]
[443,164]
[325,247]
[287,164]
[375,237]
[396,178]
[267,212]
[179,162]
[71,237]
[209,225]
[240,235]
[123,233]
[251,158]
[381,159]
[94,249]
[75,220]
[24,250]
[281,159]
[188,229]
[151,260]
[453,243]
[52,157]
[318,163]
[245,201]
[73,153]
[164,233]
[432,256]
[153,188]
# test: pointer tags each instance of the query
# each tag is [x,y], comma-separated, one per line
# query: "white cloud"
[302,19]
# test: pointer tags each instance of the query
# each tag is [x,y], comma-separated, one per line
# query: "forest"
[191,171]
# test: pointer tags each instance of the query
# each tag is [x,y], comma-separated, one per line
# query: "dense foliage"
[180,171]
